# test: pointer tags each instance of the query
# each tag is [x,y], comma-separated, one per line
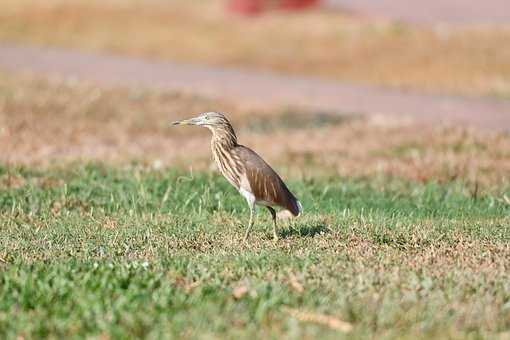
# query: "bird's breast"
[228,165]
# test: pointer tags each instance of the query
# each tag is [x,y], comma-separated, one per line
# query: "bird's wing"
[264,182]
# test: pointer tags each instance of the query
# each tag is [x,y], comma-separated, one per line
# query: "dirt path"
[432,11]
[256,88]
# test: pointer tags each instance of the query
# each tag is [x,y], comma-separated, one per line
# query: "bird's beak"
[178,122]
[192,121]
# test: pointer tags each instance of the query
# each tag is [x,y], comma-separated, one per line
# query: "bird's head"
[219,125]
[210,120]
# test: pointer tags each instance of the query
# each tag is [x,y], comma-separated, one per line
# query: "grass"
[46,122]
[95,250]
[459,60]
[103,234]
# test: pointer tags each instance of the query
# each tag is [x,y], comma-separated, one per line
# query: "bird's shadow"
[303,230]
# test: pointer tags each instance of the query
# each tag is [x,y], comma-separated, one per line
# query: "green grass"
[95,250]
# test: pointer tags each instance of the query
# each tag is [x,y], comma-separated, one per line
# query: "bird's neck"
[224,136]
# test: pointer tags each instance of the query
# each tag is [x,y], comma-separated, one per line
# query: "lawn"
[114,225]
[98,250]
[330,44]
[45,122]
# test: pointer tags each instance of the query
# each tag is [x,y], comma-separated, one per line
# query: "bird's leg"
[250,224]
[273,214]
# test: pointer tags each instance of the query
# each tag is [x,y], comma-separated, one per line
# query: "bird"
[242,167]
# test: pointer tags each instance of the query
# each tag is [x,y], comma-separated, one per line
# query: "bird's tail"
[300,208]
[294,211]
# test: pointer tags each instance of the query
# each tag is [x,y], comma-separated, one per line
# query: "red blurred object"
[246,7]
[254,7]
[297,4]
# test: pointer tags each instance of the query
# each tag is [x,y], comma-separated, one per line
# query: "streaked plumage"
[245,169]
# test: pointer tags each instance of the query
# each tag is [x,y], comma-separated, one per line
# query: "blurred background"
[351,87]
[389,120]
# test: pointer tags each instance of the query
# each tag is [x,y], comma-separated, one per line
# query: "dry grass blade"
[295,284]
[507,200]
[321,319]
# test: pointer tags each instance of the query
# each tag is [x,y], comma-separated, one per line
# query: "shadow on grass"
[303,231]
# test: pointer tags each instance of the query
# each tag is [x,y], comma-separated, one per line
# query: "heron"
[255,180]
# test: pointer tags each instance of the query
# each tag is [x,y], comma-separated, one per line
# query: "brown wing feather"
[265,183]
